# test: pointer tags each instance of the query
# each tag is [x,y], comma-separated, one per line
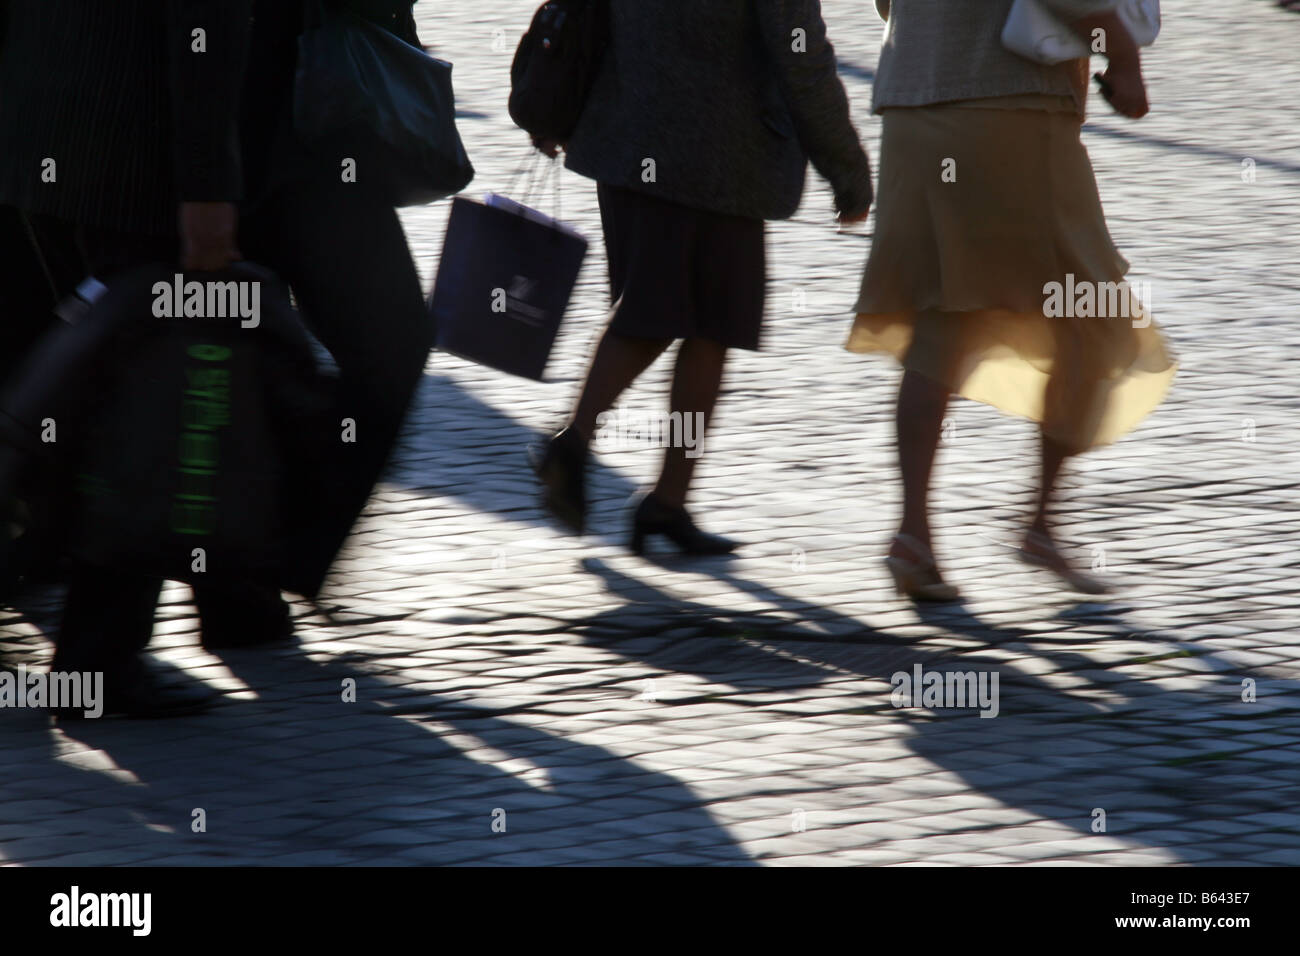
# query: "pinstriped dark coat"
[135,120]
[729,98]
[132,117]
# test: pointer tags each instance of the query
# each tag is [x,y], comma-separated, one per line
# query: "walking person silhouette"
[699,127]
[987,201]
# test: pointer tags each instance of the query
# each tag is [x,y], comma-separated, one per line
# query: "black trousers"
[345,257]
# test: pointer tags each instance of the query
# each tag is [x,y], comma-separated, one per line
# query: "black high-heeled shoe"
[561,467]
[653,516]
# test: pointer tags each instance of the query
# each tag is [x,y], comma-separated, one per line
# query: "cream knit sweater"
[938,51]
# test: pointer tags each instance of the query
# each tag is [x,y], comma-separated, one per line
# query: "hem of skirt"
[866,344]
[1034,307]
[750,344]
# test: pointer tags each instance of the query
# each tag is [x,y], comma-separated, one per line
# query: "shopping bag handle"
[535,176]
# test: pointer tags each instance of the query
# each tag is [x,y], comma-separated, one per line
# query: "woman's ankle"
[669,497]
[575,435]
[912,543]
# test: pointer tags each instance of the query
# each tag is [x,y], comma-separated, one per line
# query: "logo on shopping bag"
[514,301]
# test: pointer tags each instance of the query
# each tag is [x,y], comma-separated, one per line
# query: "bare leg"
[697,380]
[1067,397]
[1068,393]
[1063,400]
[619,359]
[919,418]
[1053,457]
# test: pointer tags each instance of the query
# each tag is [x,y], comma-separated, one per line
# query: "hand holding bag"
[1036,33]
[368,95]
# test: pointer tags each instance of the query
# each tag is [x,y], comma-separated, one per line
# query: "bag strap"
[524,172]
[35,243]
[537,174]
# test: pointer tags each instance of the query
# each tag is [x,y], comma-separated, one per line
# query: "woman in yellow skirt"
[992,274]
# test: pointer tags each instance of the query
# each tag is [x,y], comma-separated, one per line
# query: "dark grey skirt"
[678,272]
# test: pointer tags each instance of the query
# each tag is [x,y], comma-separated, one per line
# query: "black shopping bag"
[196,419]
[504,281]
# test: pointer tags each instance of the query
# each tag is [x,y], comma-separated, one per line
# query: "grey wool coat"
[719,105]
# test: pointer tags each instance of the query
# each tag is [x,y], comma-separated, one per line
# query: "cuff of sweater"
[1071,10]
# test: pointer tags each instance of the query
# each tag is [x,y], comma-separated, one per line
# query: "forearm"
[1087,16]
[1122,83]
[1119,46]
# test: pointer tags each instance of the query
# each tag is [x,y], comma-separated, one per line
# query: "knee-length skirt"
[992,271]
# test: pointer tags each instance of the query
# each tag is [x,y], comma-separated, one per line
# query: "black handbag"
[369,96]
[555,67]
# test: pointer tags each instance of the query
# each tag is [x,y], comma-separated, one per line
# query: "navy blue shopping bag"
[504,281]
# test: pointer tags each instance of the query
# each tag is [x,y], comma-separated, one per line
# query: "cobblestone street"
[529,697]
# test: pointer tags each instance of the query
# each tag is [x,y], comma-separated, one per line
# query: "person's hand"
[846,219]
[1122,83]
[549,147]
[1125,89]
[208,235]
[849,219]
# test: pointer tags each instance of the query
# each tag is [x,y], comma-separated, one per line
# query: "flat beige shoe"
[1039,551]
[919,578]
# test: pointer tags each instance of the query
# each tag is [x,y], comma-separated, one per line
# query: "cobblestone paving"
[614,709]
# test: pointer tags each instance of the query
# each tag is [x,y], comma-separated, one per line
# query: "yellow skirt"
[992,271]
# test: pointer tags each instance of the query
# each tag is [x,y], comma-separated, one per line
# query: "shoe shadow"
[480,458]
[1133,757]
[1164,760]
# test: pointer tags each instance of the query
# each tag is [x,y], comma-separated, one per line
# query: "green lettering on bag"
[193,518]
[208,353]
[198,449]
[205,410]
